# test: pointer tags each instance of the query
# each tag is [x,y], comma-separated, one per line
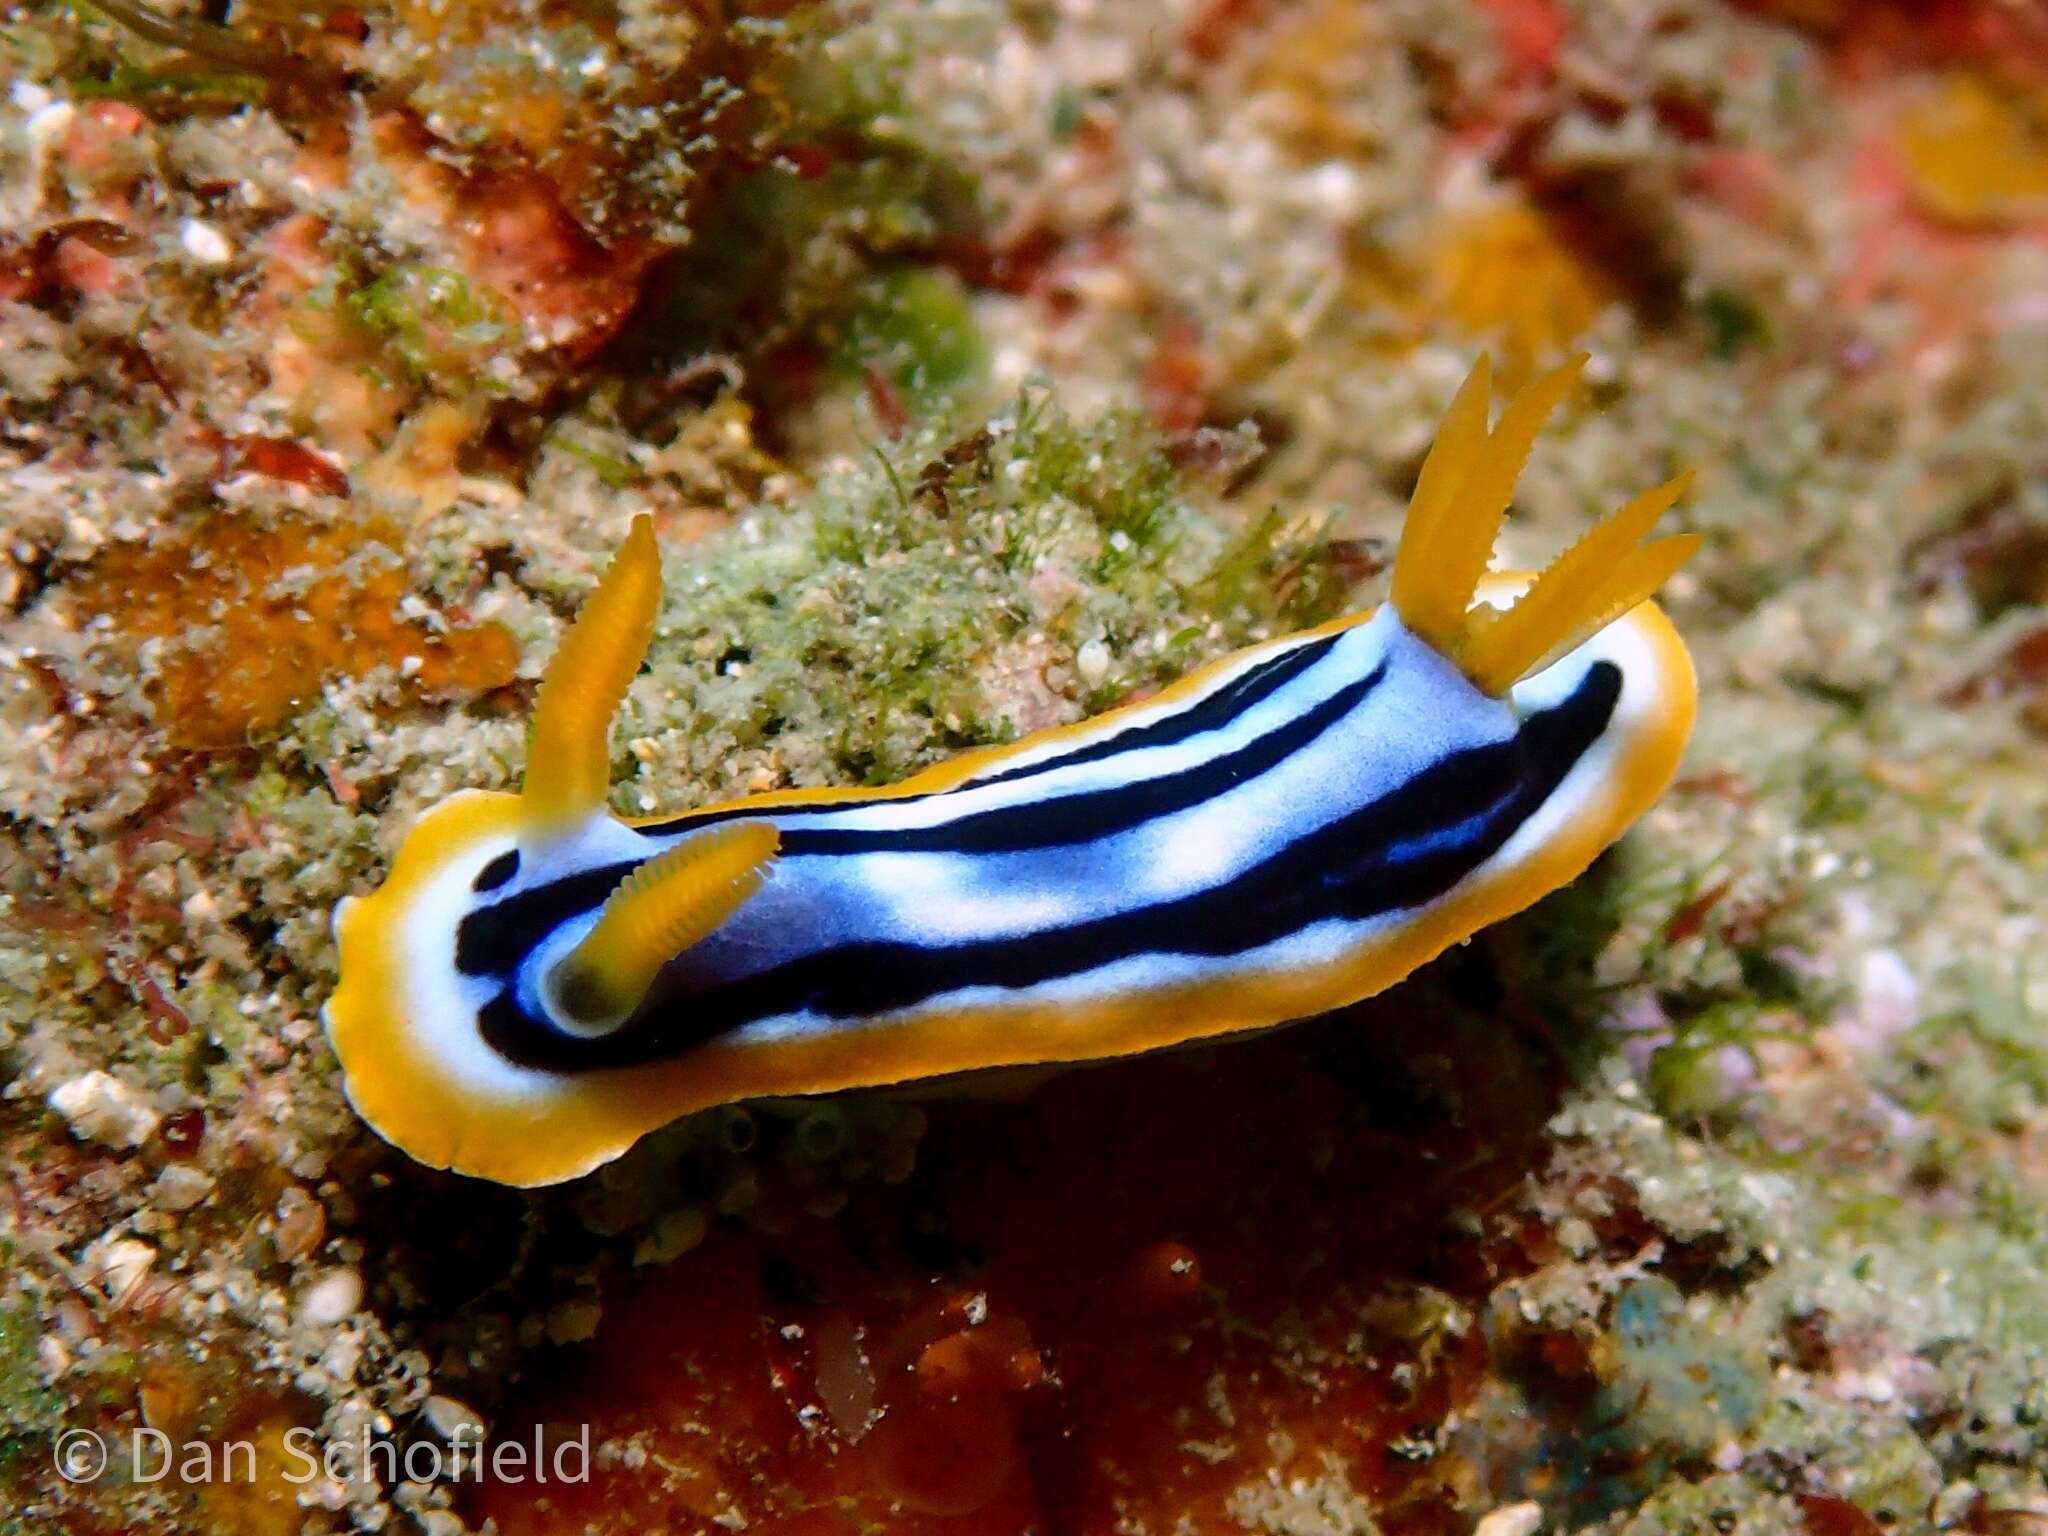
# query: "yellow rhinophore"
[568,766]
[658,911]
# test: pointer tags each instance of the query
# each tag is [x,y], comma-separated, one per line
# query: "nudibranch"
[539,982]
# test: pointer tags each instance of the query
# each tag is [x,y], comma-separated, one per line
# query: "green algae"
[912,326]
[938,598]
[30,1413]
[211,88]
[431,322]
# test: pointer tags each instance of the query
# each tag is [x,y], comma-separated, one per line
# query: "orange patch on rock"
[1506,275]
[1311,73]
[1976,150]
[253,618]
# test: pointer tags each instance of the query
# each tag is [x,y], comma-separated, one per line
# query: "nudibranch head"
[410,1019]
[538,983]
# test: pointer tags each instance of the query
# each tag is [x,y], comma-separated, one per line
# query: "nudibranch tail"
[1461,498]
[568,763]
[659,910]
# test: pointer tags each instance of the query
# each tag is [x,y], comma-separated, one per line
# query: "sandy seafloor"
[981,366]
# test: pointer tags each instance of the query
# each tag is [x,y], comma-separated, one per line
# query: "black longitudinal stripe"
[494,940]
[511,928]
[1212,712]
[1086,816]
[1398,853]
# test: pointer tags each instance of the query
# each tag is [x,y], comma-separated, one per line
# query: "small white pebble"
[1874,1386]
[1577,1237]
[53,1355]
[50,121]
[1337,190]
[100,1107]
[120,1266]
[453,1420]
[180,1187]
[1521,1519]
[332,1298]
[205,244]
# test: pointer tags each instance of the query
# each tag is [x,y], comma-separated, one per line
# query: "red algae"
[520,242]
[255,617]
[1178,378]
[1530,33]
[1826,1515]
[1111,1307]
[1876,37]
[275,458]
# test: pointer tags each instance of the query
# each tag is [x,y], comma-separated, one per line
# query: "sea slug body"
[539,982]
